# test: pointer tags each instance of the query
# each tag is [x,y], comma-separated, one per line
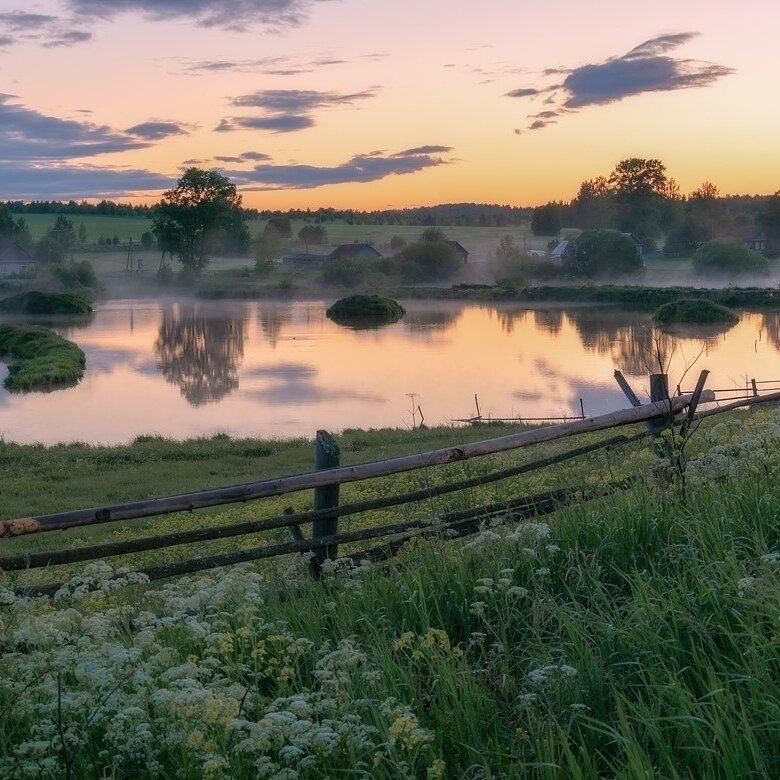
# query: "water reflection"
[200,354]
[272,317]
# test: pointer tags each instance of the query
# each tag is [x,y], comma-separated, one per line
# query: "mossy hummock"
[694,311]
[43,360]
[366,310]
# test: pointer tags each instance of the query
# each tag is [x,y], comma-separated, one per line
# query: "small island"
[36,302]
[365,311]
[42,359]
[694,311]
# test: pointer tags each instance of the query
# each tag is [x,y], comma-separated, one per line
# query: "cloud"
[65,182]
[243,157]
[361,168]
[156,130]
[6,40]
[21,21]
[273,124]
[422,150]
[646,68]
[227,14]
[67,38]
[26,134]
[288,110]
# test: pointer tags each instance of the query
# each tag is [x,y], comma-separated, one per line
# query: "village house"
[15,259]
[359,250]
[305,260]
[752,239]
[460,250]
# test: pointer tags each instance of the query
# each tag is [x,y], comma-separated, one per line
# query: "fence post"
[327,456]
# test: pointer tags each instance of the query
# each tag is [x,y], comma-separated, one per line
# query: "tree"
[267,247]
[200,205]
[433,234]
[82,234]
[63,232]
[686,238]
[728,257]
[706,207]
[147,240]
[429,261]
[769,219]
[397,243]
[593,204]
[546,220]
[312,234]
[282,225]
[601,253]
[638,188]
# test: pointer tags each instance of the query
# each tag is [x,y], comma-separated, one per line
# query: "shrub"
[728,257]
[429,261]
[36,302]
[348,272]
[601,253]
[694,311]
[365,310]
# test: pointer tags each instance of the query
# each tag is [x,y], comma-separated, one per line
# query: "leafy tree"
[282,225]
[433,234]
[397,243]
[267,247]
[706,207]
[169,235]
[63,232]
[769,219]
[147,240]
[728,257]
[593,204]
[686,238]
[429,261]
[15,230]
[546,220]
[82,234]
[601,253]
[200,205]
[49,250]
[312,234]
[639,187]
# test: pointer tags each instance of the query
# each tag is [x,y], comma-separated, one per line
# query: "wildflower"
[437,769]
[745,584]
[773,558]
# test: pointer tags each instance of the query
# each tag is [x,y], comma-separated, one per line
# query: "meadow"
[632,636]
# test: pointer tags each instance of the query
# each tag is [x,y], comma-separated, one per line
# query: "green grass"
[107,226]
[42,359]
[635,636]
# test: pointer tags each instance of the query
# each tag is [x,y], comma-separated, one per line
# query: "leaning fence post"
[327,456]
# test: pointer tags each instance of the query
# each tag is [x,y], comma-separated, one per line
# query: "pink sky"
[376,105]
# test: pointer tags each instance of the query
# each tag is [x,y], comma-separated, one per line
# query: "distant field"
[124,228]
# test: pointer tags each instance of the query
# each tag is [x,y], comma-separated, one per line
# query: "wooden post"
[659,391]
[626,388]
[582,409]
[755,388]
[327,456]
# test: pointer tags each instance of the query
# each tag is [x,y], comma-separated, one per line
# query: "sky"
[370,104]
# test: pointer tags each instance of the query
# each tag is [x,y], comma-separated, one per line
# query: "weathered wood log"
[276,486]
[761,399]
[291,520]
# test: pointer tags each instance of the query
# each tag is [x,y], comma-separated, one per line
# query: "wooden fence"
[326,480]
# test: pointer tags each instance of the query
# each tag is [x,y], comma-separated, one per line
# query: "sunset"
[389,390]
[369,106]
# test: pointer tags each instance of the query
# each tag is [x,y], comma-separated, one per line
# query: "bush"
[601,253]
[429,261]
[694,311]
[728,257]
[75,275]
[348,272]
[366,310]
[36,302]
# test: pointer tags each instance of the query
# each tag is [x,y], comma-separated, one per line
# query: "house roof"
[456,245]
[349,250]
[560,248]
[11,252]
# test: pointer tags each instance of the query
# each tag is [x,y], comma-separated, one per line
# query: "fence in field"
[663,411]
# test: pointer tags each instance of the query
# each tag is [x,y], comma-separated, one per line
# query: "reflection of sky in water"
[283,369]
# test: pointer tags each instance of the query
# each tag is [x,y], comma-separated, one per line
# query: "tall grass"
[635,636]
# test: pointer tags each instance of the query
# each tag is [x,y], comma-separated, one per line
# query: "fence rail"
[330,475]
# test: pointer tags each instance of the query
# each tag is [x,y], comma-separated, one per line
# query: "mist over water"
[282,369]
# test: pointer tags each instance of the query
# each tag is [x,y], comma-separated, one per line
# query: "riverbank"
[590,645]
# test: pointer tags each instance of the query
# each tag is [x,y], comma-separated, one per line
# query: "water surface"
[282,369]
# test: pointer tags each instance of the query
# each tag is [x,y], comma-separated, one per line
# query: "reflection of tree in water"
[273,318]
[549,321]
[200,354]
[635,347]
[770,325]
[425,323]
[508,319]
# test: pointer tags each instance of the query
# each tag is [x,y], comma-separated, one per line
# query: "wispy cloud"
[287,110]
[67,38]
[359,169]
[243,157]
[266,66]
[50,31]
[156,130]
[227,14]
[646,68]
[24,181]
[27,134]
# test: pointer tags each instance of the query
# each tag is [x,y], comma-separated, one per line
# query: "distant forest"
[465,214]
